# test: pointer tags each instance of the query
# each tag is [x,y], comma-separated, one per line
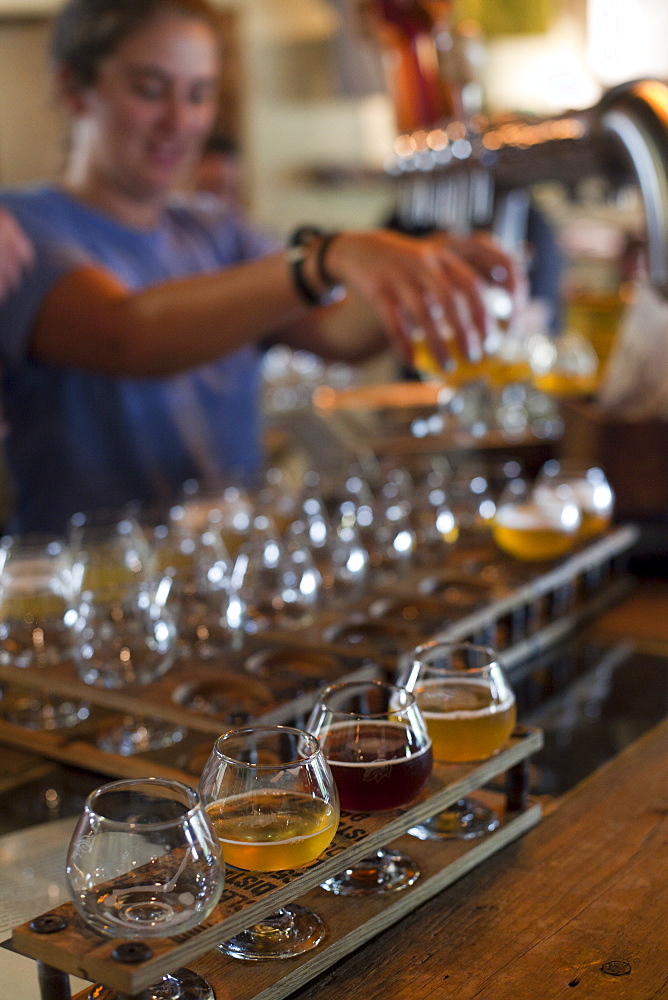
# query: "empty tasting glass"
[122,631]
[469,708]
[145,863]
[272,800]
[201,600]
[340,558]
[378,749]
[276,583]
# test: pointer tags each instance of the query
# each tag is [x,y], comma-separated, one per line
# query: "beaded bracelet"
[299,244]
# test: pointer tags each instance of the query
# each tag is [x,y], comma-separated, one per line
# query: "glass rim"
[190,795]
[275,730]
[493,657]
[388,685]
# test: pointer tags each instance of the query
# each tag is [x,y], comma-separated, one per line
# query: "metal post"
[53,984]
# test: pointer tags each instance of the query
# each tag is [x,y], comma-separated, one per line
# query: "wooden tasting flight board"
[247,897]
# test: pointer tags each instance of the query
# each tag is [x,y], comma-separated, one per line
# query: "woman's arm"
[395,284]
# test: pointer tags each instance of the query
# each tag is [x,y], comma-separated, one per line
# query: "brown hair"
[87,31]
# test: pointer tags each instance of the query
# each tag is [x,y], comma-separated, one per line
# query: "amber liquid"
[528,532]
[33,607]
[596,509]
[563,384]
[462,371]
[593,523]
[464,722]
[271,831]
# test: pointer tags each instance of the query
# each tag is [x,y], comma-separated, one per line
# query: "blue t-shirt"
[82,441]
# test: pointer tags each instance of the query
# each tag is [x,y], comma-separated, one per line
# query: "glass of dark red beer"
[376,744]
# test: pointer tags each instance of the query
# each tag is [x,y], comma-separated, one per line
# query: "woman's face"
[141,126]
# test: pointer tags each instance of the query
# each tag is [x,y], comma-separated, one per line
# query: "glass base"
[32,711]
[463,820]
[133,736]
[384,871]
[290,931]
[184,984]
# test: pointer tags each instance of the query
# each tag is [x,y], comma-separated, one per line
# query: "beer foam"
[427,691]
[474,713]
[529,517]
[411,752]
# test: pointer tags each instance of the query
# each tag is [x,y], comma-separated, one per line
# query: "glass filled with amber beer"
[590,488]
[272,800]
[469,709]
[537,524]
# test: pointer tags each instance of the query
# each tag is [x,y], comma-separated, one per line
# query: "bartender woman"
[131,349]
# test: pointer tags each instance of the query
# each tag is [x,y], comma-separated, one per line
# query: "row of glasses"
[93,597]
[145,857]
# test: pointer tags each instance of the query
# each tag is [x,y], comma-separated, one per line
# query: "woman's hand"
[434,285]
[16,253]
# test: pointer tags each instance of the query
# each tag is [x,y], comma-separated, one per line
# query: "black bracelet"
[321,266]
[298,248]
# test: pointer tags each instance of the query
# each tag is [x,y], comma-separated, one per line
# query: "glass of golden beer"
[272,800]
[537,525]
[591,490]
[469,709]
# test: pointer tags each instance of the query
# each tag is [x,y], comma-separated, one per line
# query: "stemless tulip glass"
[35,591]
[122,631]
[377,746]
[35,597]
[339,556]
[277,584]
[536,526]
[110,553]
[469,708]
[272,800]
[591,490]
[145,863]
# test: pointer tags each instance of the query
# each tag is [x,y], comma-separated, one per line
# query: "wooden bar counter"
[580,904]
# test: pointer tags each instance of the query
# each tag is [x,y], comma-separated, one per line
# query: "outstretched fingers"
[16,253]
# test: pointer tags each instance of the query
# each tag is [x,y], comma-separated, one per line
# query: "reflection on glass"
[377,747]
[536,525]
[271,798]
[469,709]
[145,863]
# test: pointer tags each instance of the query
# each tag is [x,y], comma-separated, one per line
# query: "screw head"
[131,952]
[48,923]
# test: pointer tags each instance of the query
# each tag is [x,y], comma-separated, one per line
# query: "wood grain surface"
[576,908]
